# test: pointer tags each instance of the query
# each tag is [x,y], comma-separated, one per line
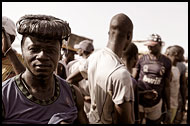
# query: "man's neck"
[39,88]
[36,83]
[157,55]
[112,46]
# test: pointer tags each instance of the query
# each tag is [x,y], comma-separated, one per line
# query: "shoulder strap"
[3,111]
[73,92]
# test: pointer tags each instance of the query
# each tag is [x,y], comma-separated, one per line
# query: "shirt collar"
[112,53]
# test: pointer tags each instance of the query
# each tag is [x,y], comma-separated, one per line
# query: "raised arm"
[11,54]
[74,77]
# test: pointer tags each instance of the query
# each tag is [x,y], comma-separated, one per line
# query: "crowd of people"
[47,84]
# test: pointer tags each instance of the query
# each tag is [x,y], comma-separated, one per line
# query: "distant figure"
[68,56]
[153,75]
[130,58]
[84,49]
[183,85]
[173,54]
[37,95]
[11,60]
[110,84]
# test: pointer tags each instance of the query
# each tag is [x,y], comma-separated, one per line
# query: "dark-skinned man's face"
[180,57]
[41,56]
[155,49]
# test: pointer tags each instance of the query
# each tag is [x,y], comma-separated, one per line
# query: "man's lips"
[42,65]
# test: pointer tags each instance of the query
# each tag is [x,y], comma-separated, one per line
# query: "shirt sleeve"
[138,67]
[122,87]
[168,68]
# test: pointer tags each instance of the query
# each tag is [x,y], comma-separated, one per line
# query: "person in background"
[110,84]
[12,62]
[84,49]
[37,95]
[152,73]
[183,85]
[67,56]
[173,54]
[130,58]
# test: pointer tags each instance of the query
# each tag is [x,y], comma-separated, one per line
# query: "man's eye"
[50,50]
[34,49]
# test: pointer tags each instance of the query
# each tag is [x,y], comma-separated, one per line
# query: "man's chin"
[43,76]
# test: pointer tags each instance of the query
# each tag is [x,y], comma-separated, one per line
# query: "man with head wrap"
[38,96]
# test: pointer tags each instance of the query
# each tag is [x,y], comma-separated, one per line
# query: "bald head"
[121,22]
[120,33]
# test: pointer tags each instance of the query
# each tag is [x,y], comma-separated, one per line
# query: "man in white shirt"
[84,49]
[110,84]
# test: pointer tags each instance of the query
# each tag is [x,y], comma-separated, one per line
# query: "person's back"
[110,84]
[106,92]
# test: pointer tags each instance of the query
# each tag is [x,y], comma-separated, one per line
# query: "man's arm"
[16,63]
[136,69]
[125,113]
[167,80]
[74,77]
[135,73]
[183,87]
[167,92]
[82,118]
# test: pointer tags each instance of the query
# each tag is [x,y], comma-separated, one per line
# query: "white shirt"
[109,83]
[174,87]
[83,84]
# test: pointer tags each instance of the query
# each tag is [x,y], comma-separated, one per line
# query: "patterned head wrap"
[43,26]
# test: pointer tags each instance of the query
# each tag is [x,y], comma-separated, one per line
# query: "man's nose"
[42,55]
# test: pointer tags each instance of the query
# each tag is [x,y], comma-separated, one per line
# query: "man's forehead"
[41,40]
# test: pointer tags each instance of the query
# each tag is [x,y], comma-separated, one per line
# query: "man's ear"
[175,53]
[129,35]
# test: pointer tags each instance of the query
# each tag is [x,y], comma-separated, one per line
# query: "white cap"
[9,25]
[85,45]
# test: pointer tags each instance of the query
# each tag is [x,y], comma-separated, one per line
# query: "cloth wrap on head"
[44,27]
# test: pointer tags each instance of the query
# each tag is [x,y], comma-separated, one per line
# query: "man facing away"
[37,95]
[110,84]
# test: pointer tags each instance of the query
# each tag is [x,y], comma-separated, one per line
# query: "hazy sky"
[91,19]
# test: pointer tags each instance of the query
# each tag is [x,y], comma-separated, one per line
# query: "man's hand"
[168,117]
[6,41]
[149,94]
